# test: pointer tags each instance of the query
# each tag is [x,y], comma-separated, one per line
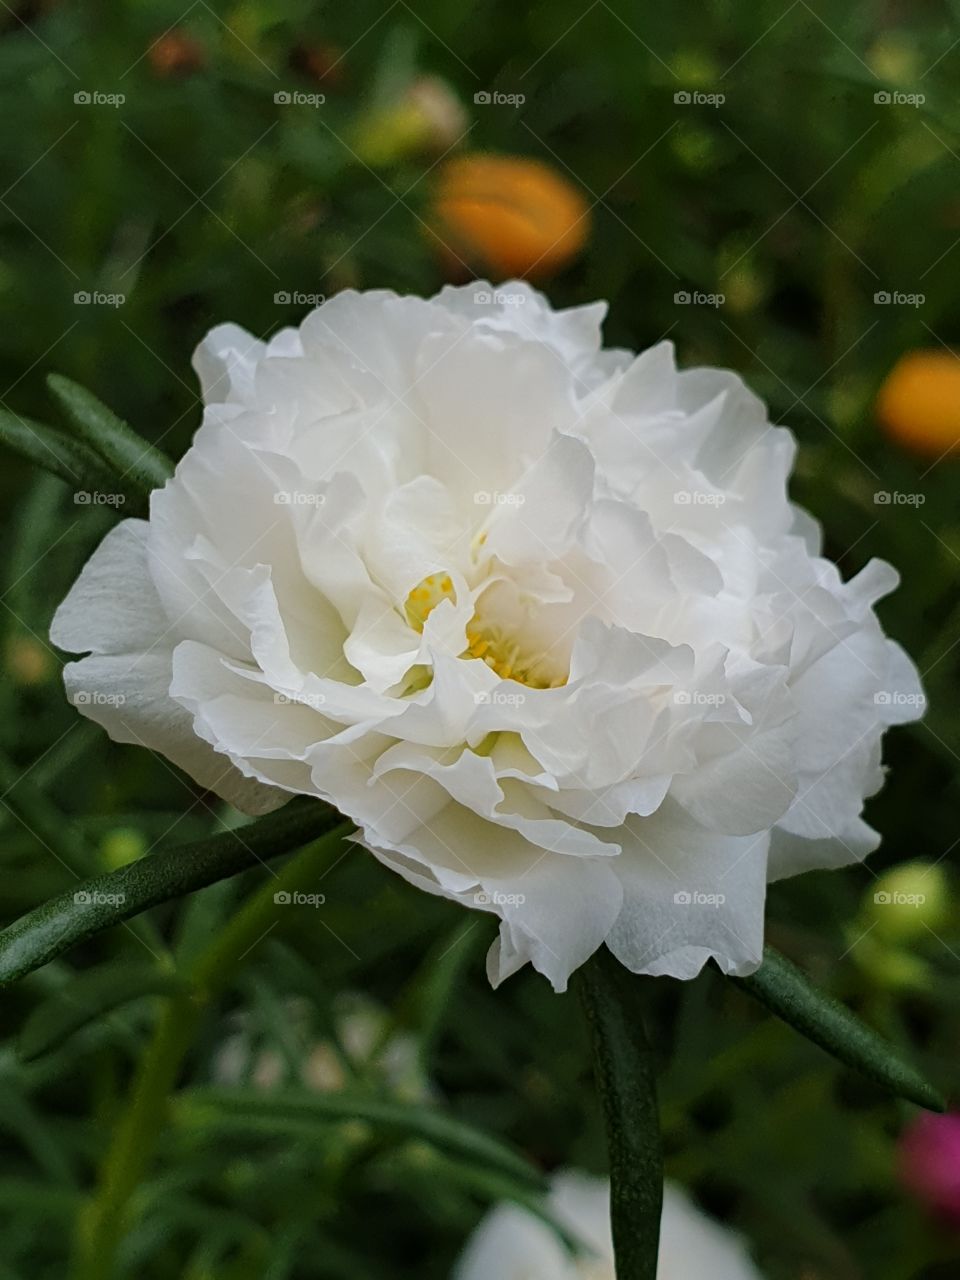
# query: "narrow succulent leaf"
[87,997]
[56,452]
[626,1081]
[293,1111]
[493,1187]
[128,454]
[94,905]
[36,1131]
[786,991]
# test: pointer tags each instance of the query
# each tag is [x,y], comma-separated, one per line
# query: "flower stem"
[626,1081]
[138,1128]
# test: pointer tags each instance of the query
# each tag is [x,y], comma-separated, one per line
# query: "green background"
[199,199]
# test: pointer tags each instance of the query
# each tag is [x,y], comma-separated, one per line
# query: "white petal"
[226,362]
[113,606]
[129,697]
[693,1245]
[689,895]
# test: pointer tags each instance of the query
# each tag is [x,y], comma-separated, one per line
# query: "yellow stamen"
[502,656]
[485,643]
[425,597]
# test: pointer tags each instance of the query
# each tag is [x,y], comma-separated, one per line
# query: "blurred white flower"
[365,1037]
[512,1244]
[538,617]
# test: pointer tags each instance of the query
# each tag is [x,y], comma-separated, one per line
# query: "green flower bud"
[894,59]
[890,966]
[122,845]
[908,901]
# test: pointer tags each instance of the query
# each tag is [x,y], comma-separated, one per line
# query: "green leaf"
[58,835]
[786,991]
[129,456]
[39,1199]
[56,452]
[85,998]
[143,1117]
[37,1132]
[626,1081]
[427,997]
[106,900]
[293,1112]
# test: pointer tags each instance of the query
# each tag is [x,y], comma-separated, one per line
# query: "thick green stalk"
[786,991]
[90,906]
[135,1134]
[626,1081]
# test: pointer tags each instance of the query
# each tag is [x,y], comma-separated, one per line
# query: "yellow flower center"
[485,639]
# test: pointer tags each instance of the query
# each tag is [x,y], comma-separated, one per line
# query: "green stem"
[626,1081]
[135,1136]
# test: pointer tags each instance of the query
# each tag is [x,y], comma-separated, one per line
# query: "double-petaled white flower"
[537,616]
[512,1244]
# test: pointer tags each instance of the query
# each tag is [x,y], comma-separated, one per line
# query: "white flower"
[512,1244]
[538,617]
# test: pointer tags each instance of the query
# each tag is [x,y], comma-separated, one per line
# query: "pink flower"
[930,1163]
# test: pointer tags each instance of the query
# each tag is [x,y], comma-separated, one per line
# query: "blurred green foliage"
[200,199]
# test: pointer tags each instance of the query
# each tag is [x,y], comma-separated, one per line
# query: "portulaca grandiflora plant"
[536,619]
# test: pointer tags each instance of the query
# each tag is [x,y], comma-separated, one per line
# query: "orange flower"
[919,403]
[509,216]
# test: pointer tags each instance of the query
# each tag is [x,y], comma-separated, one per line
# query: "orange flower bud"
[509,216]
[175,54]
[919,402]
